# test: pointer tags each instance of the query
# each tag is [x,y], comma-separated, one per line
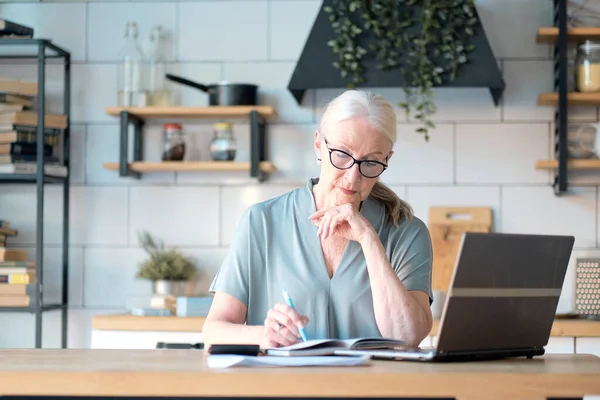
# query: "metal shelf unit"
[560,86]
[40,179]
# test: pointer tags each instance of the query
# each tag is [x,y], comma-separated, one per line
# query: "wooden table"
[149,373]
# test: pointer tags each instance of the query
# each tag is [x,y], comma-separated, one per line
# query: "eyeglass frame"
[354,161]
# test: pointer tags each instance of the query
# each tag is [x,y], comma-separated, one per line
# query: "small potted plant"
[168,269]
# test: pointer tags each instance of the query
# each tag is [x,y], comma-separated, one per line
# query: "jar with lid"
[223,145]
[587,67]
[174,143]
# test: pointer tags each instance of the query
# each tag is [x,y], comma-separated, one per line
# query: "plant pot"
[169,288]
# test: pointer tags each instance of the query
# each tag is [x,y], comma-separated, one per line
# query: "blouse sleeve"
[412,256]
[234,274]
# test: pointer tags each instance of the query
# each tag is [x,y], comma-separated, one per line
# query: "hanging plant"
[425,40]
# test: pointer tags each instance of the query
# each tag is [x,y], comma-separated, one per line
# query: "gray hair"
[356,103]
[381,115]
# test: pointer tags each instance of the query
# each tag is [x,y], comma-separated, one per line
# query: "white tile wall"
[93,88]
[507,33]
[290,23]
[98,215]
[64,23]
[465,104]
[501,153]
[478,155]
[530,209]
[209,31]
[178,214]
[526,79]
[101,41]
[408,163]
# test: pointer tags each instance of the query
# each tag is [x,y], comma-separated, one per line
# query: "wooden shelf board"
[550,34]
[190,166]
[192,112]
[571,164]
[573,98]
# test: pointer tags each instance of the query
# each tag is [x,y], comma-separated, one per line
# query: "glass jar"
[131,91]
[158,95]
[223,145]
[587,67]
[174,143]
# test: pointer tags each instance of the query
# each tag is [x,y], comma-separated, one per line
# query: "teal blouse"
[275,246]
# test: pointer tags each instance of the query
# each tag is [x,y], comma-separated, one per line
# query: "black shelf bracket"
[257,145]
[560,184]
[126,118]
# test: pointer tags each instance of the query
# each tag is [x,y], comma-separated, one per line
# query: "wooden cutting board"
[446,225]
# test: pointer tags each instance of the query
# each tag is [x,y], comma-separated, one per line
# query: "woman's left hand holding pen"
[281,326]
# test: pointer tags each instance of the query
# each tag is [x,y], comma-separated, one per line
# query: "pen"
[290,303]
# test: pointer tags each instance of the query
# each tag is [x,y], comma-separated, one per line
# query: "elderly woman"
[353,258]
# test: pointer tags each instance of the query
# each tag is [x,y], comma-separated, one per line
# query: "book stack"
[18,131]
[14,30]
[16,271]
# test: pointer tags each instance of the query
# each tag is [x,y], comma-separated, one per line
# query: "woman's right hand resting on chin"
[281,326]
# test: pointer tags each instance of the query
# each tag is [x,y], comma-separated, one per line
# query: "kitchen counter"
[561,327]
[170,373]
[126,322]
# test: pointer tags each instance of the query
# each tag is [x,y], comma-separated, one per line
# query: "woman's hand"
[281,326]
[344,221]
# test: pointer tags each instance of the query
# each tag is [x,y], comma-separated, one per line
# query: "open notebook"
[323,347]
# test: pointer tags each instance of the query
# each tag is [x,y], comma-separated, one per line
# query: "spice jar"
[587,67]
[223,145]
[174,143]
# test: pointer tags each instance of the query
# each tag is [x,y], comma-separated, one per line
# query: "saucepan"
[223,94]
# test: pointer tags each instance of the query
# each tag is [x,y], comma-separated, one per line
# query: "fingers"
[288,317]
[274,338]
[284,336]
[322,224]
[319,213]
[328,224]
[337,209]
[335,221]
[281,326]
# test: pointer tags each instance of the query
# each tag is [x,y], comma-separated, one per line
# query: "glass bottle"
[223,145]
[587,67]
[174,143]
[157,92]
[131,90]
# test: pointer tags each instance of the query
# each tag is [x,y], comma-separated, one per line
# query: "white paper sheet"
[227,361]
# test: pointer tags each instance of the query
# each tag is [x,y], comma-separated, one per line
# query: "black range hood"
[314,69]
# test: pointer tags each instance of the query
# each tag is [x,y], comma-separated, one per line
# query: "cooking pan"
[223,94]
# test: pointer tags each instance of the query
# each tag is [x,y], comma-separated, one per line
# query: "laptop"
[502,299]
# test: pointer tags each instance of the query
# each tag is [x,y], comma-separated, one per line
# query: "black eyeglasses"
[342,160]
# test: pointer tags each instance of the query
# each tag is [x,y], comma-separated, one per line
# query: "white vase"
[169,288]
[164,289]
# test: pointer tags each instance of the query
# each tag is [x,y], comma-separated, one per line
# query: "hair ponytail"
[397,209]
